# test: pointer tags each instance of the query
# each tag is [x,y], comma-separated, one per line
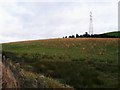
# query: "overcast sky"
[43,19]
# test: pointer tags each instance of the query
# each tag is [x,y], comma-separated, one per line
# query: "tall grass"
[77,62]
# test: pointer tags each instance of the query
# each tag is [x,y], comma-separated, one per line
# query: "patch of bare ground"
[8,79]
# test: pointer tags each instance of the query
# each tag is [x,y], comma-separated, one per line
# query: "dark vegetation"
[105,35]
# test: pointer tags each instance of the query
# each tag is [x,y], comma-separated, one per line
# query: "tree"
[77,35]
[73,36]
[86,34]
[65,36]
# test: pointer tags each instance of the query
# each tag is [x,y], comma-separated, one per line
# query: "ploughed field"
[80,63]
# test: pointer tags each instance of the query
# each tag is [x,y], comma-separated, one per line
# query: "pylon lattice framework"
[91,24]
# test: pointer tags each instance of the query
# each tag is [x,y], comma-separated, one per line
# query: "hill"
[76,62]
[113,34]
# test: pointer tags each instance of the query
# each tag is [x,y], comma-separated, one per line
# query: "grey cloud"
[31,20]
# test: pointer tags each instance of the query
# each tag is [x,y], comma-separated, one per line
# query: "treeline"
[86,35]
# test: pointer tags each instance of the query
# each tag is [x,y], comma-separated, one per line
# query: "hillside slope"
[15,77]
[114,34]
[78,62]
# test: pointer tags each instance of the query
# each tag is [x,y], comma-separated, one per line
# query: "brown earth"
[8,79]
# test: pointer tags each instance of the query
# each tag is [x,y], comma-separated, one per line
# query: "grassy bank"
[86,62]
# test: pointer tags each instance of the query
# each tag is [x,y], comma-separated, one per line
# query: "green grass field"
[115,34]
[80,63]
